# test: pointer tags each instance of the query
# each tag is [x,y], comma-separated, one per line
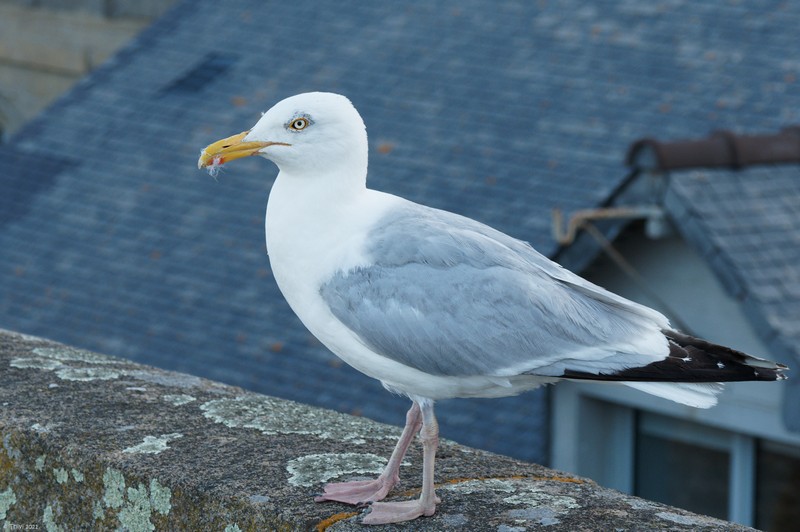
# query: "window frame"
[603,419]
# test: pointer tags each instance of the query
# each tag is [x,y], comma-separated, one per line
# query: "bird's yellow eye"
[299,124]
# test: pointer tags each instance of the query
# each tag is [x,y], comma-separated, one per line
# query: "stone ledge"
[91,442]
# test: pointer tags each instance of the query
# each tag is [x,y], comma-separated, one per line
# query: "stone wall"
[94,442]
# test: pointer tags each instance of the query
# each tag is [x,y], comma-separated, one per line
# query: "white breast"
[310,236]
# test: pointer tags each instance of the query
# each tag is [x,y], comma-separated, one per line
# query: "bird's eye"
[299,124]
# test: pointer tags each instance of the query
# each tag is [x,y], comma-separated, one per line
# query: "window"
[716,472]
[667,458]
[777,486]
[682,464]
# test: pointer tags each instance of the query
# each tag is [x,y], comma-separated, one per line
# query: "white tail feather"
[698,395]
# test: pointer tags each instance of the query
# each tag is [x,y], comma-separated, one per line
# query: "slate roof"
[746,224]
[112,240]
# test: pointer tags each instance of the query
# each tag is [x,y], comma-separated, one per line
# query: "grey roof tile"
[751,217]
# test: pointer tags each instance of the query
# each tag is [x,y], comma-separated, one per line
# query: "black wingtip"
[733,365]
[695,360]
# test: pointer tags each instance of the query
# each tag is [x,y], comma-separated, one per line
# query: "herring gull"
[435,305]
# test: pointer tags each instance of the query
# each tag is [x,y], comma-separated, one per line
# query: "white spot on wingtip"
[720,365]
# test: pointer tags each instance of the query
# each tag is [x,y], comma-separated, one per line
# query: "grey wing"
[449,296]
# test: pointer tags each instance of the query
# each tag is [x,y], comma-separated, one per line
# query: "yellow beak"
[231,148]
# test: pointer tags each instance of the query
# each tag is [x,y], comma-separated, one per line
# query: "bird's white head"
[311,134]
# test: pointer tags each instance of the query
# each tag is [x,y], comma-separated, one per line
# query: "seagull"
[436,305]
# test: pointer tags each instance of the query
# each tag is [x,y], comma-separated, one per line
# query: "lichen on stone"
[77,475]
[160,497]
[533,496]
[61,475]
[49,520]
[506,528]
[680,519]
[481,485]
[313,469]
[455,521]
[57,359]
[179,380]
[42,429]
[7,500]
[232,528]
[153,444]
[97,511]
[543,506]
[135,514]
[87,374]
[544,516]
[135,504]
[71,354]
[277,416]
[179,399]
[35,363]
[114,483]
[39,463]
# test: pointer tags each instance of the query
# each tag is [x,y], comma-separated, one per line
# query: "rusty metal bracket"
[566,236]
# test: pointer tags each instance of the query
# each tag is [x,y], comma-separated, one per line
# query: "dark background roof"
[112,240]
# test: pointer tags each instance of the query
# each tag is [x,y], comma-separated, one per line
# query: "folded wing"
[449,296]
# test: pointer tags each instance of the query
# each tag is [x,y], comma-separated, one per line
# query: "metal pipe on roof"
[578,220]
[721,149]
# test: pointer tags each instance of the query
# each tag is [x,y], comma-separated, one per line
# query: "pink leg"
[365,491]
[380,513]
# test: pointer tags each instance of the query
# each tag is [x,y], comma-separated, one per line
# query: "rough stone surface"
[94,442]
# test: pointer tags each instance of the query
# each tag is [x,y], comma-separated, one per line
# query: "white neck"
[312,225]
